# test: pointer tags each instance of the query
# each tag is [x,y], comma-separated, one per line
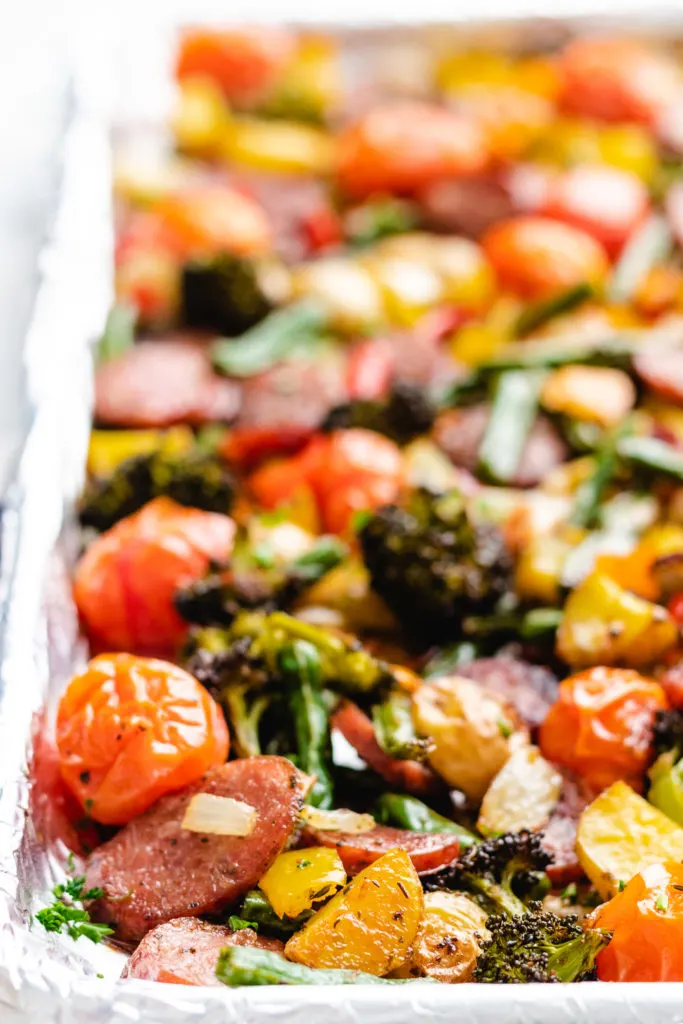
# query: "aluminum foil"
[47,978]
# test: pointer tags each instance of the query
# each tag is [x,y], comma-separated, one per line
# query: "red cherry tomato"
[646,921]
[605,202]
[130,730]
[322,229]
[601,725]
[244,62]
[538,257]
[126,581]
[370,368]
[214,218]
[246,447]
[617,79]
[405,145]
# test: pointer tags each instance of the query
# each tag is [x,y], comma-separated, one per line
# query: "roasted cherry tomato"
[617,79]
[403,146]
[348,471]
[322,229]
[245,62]
[538,257]
[601,725]
[245,447]
[130,730]
[646,921]
[216,218]
[604,201]
[125,582]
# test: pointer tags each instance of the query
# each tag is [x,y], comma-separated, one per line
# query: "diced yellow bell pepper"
[279,147]
[408,288]
[636,570]
[109,448]
[539,75]
[568,142]
[474,68]
[297,880]
[567,477]
[201,118]
[474,343]
[631,148]
[603,624]
[595,394]
[539,569]
[370,925]
[351,296]
[619,834]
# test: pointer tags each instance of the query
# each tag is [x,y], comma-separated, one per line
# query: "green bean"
[394,729]
[243,965]
[513,413]
[649,245]
[270,341]
[119,332]
[541,312]
[652,453]
[301,668]
[408,812]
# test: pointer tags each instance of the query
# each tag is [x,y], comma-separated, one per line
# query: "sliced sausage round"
[559,835]
[154,870]
[357,729]
[185,951]
[466,206]
[161,383]
[299,393]
[531,689]
[429,851]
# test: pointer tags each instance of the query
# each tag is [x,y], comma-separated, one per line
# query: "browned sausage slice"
[531,689]
[160,383]
[298,393]
[559,835]
[429,851]
[154,870]
[185,951]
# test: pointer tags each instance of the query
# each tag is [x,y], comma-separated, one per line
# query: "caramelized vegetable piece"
[279,147]
[300,878]
[130,730]
[522,796]
[601,725]
[646,920]
[370,925]
[448,940]
[604,624]
[589,393]
[215,218]
[619,834]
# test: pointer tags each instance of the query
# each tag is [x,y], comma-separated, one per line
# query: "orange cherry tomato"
[606,202]
[646,921]
[244,62]
[213,218]
[538,257]
[246,446]
[125,583]
[404,145]
[600,725]
[130,730]
[616,79]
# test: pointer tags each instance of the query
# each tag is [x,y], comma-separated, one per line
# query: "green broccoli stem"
[409,812]
[540,313]
[244,719]
[394,730]
[243,965]
[575,958]
[499,896]
[300,665]
[272,340]
[513,413]
[256,907]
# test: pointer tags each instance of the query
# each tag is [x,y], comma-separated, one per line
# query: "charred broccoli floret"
[196,479]
[537,946]
[255,580]
[223,294]
[403,415]
[432,565]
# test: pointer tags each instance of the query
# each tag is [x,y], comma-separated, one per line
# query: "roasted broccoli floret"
[538,946]
[255,580]
[403,415]
[196,479]
[223,294]
[433,566]
[667,732]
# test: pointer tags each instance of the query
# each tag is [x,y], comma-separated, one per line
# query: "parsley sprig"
[66,915]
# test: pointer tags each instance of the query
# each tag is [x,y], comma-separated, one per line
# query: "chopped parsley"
[66,915]
[237,923]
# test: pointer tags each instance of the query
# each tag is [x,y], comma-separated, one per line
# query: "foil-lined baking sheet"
[125,82]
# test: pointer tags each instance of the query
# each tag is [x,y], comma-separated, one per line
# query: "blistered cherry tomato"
[616,79]
[405,145]
[130,730]
[245,62]
[601,725]
[538,257]
[216,218]
[604,201]
[646,921]
[126,581]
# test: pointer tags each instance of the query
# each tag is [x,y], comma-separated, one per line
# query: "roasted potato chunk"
[448,940]
[522,795]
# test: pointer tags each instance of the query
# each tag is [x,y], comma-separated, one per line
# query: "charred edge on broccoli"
[667,732]
[433,566]
[404,414]
[196,479]
[222,294]
[217,667]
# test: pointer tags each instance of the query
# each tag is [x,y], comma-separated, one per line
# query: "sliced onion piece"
[219,816]
[342,820]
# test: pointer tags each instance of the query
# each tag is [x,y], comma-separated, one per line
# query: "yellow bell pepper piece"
[472,69]
[629,147]
[539,569]
[279,147]
[476,342]
[310,84]
[370,925]
[201,118]
[634,571]
[109,448]
[538,75]
[603,624]
[591,393]
[567,142]
[408,288]
[299,879]
[347,289]
[619,834]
